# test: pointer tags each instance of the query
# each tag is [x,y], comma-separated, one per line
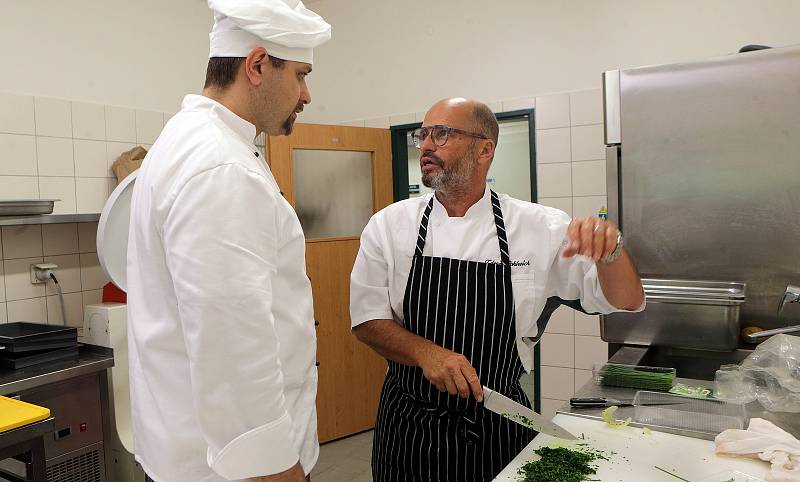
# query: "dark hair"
[486,122]
[221,71]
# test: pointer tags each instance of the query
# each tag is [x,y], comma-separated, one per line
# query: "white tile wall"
[33,310]
[18,155]
[120,124]
[92,276]
[88,121]
[55,156]
[57,149]
[553,145]
[552,111]
[113,151]
[587,324]
[91,194]
[68,273]
[18,279]
[91,159]
[53,117]
[586,107]
[148,126]
[557,383]
[22,241]
[562,203]
[562,321]
[79,274]
[87,237]
[16,114]
[571,177]
[583,206]
[590,350]
[589,178]
[59,239]
[19,187]
[587,143]
[554,180]
[73,305]
[61,188]
[558,350]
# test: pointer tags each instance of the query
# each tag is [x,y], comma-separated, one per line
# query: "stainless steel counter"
[91,359]
[787,421]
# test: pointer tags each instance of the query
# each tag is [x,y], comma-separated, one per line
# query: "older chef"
[221,332]
[449,286]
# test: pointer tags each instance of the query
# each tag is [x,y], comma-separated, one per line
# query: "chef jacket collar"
[481,208]
[241,127]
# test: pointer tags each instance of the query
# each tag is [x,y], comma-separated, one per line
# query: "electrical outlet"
[38,271]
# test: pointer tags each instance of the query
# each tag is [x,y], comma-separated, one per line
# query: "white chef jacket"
[536,236]
[221,331]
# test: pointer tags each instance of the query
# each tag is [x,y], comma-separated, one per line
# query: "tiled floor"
[346,460]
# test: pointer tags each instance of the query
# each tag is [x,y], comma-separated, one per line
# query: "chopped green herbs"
[561,465]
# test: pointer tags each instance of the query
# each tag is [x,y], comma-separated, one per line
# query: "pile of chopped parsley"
[561,465]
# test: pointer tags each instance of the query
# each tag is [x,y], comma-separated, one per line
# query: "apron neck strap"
[498,223]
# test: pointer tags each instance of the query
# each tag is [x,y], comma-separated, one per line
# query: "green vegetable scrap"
[561,465]
[520,419]
[608,418]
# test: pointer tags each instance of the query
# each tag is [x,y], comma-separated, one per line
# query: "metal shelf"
[49,219]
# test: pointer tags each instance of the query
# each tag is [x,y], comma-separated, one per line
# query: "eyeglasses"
[439,134]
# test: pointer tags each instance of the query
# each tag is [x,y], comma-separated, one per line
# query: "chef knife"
[504,406]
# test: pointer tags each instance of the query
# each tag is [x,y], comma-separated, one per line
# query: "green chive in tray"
[630,376]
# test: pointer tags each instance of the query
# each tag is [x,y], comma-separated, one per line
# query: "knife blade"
[504,406]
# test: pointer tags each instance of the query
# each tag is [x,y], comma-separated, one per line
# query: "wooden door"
[350,374]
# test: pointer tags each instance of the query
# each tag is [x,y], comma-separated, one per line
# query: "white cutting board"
[637,453]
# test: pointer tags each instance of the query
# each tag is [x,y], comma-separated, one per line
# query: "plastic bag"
[771,375]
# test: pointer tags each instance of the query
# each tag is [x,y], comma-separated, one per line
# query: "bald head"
[472,114]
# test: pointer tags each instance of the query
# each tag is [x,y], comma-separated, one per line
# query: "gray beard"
[453,181]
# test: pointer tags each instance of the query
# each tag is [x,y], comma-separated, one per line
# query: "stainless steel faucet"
[791,295]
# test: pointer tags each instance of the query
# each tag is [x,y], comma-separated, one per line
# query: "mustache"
[299,108]
[431,157]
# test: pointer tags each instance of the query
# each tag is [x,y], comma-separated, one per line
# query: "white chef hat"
[286,28]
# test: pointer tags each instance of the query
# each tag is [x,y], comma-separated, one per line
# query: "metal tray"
[22,332]
[27,207]
[681,313]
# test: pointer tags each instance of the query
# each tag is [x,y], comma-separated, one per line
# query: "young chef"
[221,331]
[449,286]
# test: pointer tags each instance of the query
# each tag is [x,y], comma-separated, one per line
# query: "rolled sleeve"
[369,280]
[221,254]
[575,278]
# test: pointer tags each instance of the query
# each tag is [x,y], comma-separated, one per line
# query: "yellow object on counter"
[15,414]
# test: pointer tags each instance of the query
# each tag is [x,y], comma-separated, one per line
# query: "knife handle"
[590,402]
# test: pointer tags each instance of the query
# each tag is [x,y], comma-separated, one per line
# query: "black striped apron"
[468,307]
